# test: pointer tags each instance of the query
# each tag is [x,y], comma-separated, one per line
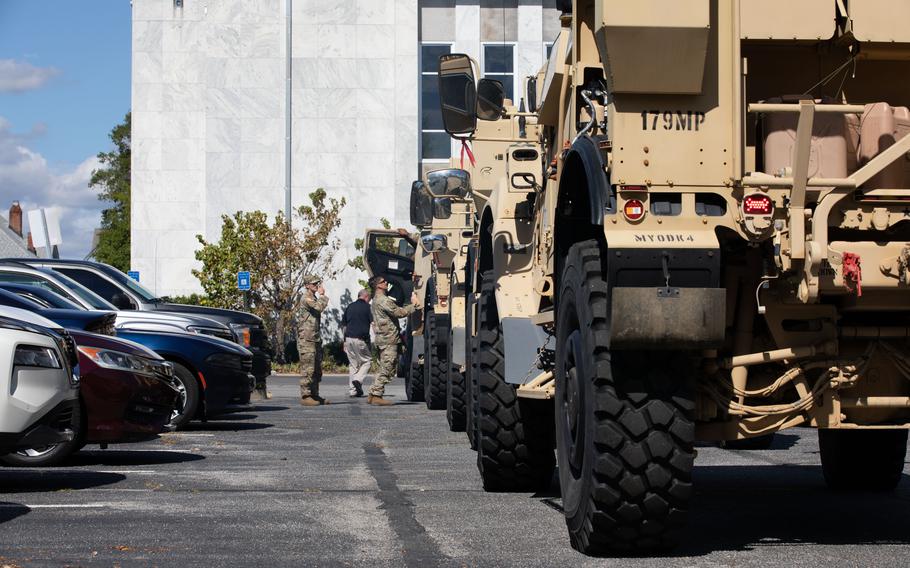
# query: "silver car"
[62,285]
[39,381]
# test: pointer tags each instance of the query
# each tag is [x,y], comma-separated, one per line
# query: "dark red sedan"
[127,395]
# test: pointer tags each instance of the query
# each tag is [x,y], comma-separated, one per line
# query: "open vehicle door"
[388,254]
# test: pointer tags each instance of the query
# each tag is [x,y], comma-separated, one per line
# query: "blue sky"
[64,83]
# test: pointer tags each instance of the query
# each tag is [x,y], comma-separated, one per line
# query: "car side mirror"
[433,243]
[421,205]
[491,97]
[449,182]
[122,301]
[457,94]
[442,208]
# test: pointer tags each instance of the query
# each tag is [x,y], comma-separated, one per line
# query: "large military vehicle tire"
[867,460]
[624,432]
[470,373]
[455,389]
[436,365]
[456,408]
[514,436]
[413,384]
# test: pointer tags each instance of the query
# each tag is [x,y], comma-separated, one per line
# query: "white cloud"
[19,77]
[25,176]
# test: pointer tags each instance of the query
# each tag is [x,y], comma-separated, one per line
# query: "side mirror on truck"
[449,182]
[421,205]
[463,99]
[433,243]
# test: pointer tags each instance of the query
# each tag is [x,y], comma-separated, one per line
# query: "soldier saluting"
[309,340]
[386,313]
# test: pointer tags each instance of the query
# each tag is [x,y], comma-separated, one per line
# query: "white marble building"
[209,111]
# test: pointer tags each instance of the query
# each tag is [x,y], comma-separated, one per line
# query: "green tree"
[112,180]
[277,256]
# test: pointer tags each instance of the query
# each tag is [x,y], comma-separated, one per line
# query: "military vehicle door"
[388,254]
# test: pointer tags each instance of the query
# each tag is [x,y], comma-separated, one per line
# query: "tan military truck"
[425,263]
[504,167]
[720,249]
[447,239]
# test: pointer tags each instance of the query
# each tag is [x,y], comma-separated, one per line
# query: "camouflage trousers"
[388,364]
[310,367]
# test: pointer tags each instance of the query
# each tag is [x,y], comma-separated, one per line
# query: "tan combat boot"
[378,401]
[309,401]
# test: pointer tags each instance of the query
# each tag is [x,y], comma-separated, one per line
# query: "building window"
[499,64]
[434,141]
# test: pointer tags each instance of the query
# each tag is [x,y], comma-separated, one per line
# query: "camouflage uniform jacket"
[386,313]
[311,317]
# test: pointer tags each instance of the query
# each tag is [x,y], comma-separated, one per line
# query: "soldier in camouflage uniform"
[386,313]
[309,341]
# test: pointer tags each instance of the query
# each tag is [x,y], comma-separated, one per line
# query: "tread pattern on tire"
[470,385]
[514,436]
[436,370]
[414,383]
[456,407]
[643,433]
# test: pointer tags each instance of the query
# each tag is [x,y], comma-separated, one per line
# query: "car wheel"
[52,455]
[188,399]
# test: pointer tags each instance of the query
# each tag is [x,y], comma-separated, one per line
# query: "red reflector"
[633,210]
[758,204]
[632,188]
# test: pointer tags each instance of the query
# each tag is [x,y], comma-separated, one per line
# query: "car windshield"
[89,297]
[137,288]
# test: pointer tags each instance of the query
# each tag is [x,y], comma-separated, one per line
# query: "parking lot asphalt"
[352,484]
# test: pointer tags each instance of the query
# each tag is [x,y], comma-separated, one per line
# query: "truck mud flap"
[667,318]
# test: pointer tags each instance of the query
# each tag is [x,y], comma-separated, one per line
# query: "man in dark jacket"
[356,325]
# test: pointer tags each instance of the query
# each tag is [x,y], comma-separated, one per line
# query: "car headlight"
[220,333]
[228,360]
[36,356]
[242,332]
[110,359]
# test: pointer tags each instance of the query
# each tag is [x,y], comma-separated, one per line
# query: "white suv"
[39,381]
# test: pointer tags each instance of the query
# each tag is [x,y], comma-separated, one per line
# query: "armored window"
[499,64]
[434,142]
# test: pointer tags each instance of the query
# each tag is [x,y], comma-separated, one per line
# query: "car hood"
[114,344]
[224,316]
[210,341]
[28,317]
[134,318]
[76,319]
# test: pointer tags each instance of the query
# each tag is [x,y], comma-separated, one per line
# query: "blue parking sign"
[134,274]
[243,280]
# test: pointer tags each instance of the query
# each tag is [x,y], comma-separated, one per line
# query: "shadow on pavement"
[742,508]
[225,426]
[232,417]
[131,457]
[9,511]
[33,480]
[269,408]
[783,441]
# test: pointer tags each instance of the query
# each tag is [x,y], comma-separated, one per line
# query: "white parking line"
[136,471]
[58,506]
[190,435]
